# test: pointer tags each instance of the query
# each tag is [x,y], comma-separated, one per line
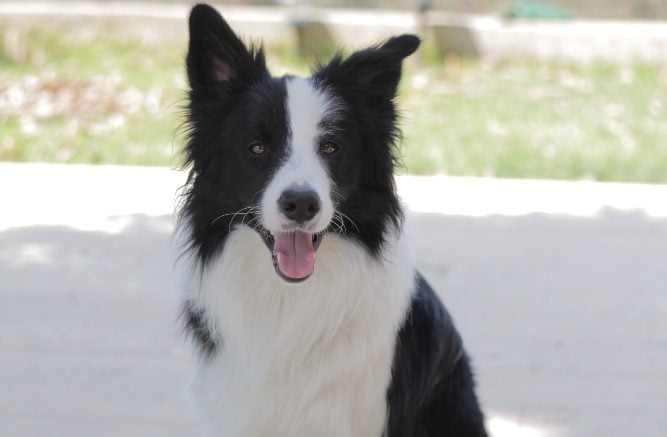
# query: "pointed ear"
[217,60]
[375,72]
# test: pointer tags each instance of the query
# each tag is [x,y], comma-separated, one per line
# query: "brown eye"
[257,148]
[329,148]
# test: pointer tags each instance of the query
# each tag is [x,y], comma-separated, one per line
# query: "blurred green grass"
[526,118]
[107,97]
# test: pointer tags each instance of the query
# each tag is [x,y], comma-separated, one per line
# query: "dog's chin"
[292,253]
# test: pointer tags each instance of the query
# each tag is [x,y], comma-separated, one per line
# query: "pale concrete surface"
[559,288]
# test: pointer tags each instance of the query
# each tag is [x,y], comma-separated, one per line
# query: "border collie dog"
[300,294]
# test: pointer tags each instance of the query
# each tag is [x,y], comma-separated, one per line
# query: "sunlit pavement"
[559,288]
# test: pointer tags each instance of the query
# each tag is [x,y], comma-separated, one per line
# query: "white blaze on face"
[303,169]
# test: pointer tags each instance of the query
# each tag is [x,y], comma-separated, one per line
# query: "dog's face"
[293,158]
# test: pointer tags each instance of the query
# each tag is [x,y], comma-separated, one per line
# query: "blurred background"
[534,162]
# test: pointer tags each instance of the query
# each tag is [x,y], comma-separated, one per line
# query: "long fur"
[363,346]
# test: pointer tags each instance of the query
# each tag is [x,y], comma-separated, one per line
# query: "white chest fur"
[310,359]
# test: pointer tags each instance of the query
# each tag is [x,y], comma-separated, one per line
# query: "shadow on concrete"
[88,333]
[564,317]
[69,260]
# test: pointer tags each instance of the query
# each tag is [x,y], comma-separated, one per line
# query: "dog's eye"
[257,148]
[329,148]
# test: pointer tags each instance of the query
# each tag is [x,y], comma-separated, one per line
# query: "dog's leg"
[432,389]
[454,410]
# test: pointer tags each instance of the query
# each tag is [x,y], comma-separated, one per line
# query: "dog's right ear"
[217,60]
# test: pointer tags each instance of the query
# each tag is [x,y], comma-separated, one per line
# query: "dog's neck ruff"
[307,359]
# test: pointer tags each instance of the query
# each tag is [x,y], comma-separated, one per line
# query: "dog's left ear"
[374,72]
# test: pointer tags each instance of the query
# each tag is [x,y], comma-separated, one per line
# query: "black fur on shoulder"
[197,328]
[432,389]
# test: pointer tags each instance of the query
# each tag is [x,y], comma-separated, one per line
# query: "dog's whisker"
[340,222]
[240,211]
[252,210]
[245,211]
[254,222]
[340,225]
[349,219]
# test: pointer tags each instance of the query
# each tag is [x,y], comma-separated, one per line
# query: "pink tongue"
[295,254]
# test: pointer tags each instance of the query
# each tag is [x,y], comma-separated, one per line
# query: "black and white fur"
[361,346]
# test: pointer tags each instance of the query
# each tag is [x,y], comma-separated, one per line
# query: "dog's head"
[294,158]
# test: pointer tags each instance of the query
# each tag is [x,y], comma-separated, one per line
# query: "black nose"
[299,205]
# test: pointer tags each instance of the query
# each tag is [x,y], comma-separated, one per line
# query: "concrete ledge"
[459,34]
[580,40]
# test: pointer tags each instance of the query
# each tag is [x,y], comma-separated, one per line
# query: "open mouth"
[293,253]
